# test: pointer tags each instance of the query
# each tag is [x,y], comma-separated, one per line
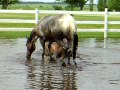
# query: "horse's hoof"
[76,64]
[28,57]
[63,64]
[52,60]
[69,63]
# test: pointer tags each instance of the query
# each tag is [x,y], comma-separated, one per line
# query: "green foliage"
[73,3]
[101,5]
[110,5]
[117,5]
[91,5]
[81,3]
[58,7]
[5,3]
[114,5]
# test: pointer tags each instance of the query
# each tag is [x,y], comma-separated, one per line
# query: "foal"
[57,52]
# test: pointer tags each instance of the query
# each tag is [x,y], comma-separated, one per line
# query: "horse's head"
[30,44]
[66,47]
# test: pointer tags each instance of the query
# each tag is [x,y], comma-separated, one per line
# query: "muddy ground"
[97,69]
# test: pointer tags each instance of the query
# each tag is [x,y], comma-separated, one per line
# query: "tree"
[101,5]
[79,3]
[91,5]
[111,5]
[114,5]
[117,5]
[71,2]
[5,3]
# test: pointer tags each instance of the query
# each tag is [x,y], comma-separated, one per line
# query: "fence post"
[106,23]
[36,15]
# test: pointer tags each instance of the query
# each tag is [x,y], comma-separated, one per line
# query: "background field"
[46,6]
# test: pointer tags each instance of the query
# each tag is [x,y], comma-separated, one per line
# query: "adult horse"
[55,29]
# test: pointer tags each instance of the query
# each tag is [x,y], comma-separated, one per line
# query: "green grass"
[98,35]
[16,16]
[17,25]
[24,34]
[14,34]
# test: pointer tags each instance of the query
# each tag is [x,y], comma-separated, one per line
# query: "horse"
[58,52]
[55,29]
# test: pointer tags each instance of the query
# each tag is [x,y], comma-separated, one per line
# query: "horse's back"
[66,22]
[56,27]
[59,22]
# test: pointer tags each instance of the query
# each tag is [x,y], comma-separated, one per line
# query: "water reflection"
[99,43]
[105,43]
[50,76]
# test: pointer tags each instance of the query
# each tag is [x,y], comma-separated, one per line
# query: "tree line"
[101,5]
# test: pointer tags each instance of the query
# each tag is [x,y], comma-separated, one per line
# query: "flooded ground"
[98,68]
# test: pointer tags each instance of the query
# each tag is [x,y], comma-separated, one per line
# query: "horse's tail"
[75,44]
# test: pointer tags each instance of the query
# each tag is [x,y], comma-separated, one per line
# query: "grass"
[14,34]
[24,34]
[17,25]
[98,35]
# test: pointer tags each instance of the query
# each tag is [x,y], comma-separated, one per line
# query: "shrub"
[101,6]
[57,7]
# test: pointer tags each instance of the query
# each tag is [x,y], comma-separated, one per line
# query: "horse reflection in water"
[55,29]
[50,76]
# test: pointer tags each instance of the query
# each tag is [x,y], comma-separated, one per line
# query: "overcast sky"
[95,1]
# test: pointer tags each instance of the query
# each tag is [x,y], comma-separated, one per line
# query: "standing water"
[97,67]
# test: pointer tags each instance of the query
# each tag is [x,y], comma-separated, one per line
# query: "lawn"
[24,34]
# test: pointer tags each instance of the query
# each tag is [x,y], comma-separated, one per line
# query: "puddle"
[97,67]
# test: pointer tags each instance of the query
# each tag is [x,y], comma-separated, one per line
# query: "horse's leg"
[69,55]
[75,46]
[62,59]
[68,51]
[42,42]
[43,50]
[49,46]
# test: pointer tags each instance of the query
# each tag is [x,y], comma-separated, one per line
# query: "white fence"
[37,12]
